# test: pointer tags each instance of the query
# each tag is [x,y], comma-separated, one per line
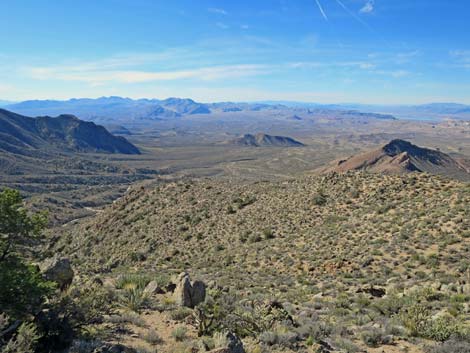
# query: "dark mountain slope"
[20,133]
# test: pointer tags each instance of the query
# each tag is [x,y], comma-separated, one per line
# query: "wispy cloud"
[403,58]
[462,57]
[368,7]
[356,17]
[320,7]
[392,73]
[96,77]
[217,11]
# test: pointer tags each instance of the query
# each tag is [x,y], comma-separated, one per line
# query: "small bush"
[128,281]
[415,318]
[451,346]
[220,340]
[375,337]
[151,336]
[134,299]
[180,314]
[179,333]
[319,199]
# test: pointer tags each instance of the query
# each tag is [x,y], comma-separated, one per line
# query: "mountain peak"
[400,157]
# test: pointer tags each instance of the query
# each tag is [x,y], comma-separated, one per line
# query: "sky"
[324,51]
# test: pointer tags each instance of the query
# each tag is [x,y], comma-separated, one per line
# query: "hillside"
[399,156]
[344,253]
[20,134]
[264,140]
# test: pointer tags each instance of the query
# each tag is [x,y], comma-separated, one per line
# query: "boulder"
[58,269]
[198,294]
[183,291]
[153,288]
[189,294]
[376,292]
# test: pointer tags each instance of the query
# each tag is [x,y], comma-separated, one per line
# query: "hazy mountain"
[399,157]
[185,106]
[252,107]
[418,112]
[66,132]
[263,140]
[112,109]
[4,103]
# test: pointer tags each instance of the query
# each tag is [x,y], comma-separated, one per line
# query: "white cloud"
[368,7]
[218,11]
[97,77]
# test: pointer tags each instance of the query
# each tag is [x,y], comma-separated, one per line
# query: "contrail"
[321,10]
[357,18]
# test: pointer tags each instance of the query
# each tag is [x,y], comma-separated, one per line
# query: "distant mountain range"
[112,109]
[126,111]
[21,134]
[419,112]
[401,157]
[264,140]
[122,111]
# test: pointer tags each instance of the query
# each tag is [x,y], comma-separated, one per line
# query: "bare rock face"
[189,294]
[58,269]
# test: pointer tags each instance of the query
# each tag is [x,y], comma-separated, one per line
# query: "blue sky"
[327,51]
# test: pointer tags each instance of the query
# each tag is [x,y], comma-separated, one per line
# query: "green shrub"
[24,341]
[415,318]
[374,337]
[151,336]
[179,333]
[180,314]
[132,280]
[320,199]
[134,299]
[22,289]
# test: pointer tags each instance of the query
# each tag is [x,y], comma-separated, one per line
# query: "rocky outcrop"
[375,292]
[58,269]
[189,294]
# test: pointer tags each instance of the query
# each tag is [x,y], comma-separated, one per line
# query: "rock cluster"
[189,294]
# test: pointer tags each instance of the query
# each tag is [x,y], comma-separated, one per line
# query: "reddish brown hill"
[399,157]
